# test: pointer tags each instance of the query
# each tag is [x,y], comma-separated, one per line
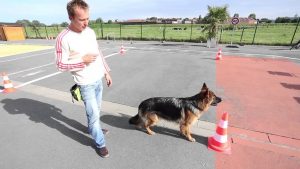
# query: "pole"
[120,31]
[242,34]
[191,31]
[141,31]
[46,32]
[221,34]
[164,33]
[101,30]
[255,31]
[295,31]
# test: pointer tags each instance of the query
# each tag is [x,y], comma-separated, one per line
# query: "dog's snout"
[216,101]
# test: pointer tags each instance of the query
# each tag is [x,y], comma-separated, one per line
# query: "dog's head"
[209,96]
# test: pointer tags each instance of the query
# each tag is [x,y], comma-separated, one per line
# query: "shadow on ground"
[122,122]
[48,115]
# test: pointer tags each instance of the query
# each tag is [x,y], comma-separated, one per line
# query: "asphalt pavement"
[41,128]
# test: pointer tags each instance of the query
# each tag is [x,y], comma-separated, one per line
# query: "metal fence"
[260,34]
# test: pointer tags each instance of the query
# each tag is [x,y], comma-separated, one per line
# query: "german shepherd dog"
[185,111]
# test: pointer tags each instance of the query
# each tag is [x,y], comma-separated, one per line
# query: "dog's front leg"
[189,136]
[185,130]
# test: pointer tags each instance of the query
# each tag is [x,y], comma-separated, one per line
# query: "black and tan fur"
[185,111]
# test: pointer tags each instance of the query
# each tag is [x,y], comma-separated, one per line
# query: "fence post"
[191,31]
[221,34]
[57,29]
[101,30]
[295,31]
[164,32]
[47,36]
[255,31]
[120,31]
[26,32]
[141,31]
[242,34]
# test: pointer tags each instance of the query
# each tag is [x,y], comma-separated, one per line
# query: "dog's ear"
[207,93]
[204,87]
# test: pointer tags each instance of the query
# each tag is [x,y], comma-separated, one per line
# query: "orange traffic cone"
[8,86]
[219,141]
[122,50]
[219,55]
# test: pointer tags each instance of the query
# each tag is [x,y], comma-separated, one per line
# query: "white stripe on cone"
[220,138]
[223,124]
[6,86]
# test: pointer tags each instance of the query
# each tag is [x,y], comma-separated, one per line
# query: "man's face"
[80,20]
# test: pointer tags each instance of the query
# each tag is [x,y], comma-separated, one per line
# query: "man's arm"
[67,60]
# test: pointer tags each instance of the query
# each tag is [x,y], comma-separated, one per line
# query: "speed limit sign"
[235,20]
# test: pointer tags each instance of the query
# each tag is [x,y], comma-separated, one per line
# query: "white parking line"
[38,79]
[110,55]
[19,58]
[47,76]
[31,69]
[33,73]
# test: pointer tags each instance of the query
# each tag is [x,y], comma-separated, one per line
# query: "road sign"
[235,20]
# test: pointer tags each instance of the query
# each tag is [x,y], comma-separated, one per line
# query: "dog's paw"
[151,133]
[192,139]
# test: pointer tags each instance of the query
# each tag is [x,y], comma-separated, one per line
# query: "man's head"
[78,11]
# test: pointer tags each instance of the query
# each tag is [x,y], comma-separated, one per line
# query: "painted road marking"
[25,57]
[111,55]
[38,79]
[31,69]
[33,73]
[202,128]
[14,49]
[47,76]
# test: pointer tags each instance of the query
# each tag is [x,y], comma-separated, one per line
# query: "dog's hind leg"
[152,119]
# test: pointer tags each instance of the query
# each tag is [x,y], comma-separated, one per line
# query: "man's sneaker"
[103,152]
[105,131]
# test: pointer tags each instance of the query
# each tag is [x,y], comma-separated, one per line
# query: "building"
[247,21]
[11,31]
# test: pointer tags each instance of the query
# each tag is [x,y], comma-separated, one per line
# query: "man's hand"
[108,79]
[89,58]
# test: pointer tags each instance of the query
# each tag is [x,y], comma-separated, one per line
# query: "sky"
[54,11]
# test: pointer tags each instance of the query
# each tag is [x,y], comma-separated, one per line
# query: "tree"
[64,24]
[99,20]
[37,23]
[252,15]
[236,15]
[154,19]
[265,20]
[23,22]
[199,19]
[215,16]
[282,20]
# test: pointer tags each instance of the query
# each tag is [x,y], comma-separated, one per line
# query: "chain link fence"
[259,34]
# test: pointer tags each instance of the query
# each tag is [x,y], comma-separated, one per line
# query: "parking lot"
[42,128]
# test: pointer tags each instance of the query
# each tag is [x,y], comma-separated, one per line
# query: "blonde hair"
[76,3]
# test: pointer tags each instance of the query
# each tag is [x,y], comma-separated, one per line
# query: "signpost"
[234,22]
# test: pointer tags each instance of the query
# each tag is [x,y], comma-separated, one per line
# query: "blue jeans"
[92,97]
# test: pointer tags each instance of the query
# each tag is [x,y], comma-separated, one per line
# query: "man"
[77,51]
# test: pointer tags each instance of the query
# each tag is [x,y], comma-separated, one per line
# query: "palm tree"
[215,16]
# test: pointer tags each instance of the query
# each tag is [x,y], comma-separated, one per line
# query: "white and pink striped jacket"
[71,47]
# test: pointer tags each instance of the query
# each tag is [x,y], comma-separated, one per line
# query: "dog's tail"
[134,120]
